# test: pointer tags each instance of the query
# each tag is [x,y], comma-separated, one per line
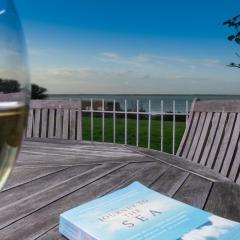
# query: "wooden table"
[52,177]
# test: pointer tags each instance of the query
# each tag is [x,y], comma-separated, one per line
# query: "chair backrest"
[212,136]
[55,119]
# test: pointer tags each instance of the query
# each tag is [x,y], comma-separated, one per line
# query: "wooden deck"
[52,177]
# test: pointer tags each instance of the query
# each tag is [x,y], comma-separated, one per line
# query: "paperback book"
[139,213]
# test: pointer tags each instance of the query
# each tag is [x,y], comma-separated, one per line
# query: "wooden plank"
[59,121]
[217,141]
[72,126]
[187,130]
[83,160]
[24,175]
[194,191]
[196,137]
[76,152]
[234,173]
[65,124]
[145,173]
[181,163]
[47,217]
[51,124]
[170,181]
[77,148]
[55,104]
[40,184]
[210,139]
[52,234]
[224,200]
[218,106]
[225,142]
[203,139]
[32,203]
[191,135]
[44,123]
[79,124]
[29,124]
[36,123]
[185,135]
[231,148]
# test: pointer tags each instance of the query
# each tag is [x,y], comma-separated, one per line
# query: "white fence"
[137,114]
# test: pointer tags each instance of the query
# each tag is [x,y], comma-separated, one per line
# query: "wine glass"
[14,87]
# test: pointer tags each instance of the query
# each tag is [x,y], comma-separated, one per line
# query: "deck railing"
[56,119]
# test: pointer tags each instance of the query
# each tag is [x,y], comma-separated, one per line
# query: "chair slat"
[235,166]
[203,138]
[217,141]
[213,141]
[51,123]
[65,124]
[191,135]
[238,180]
[44,121]
[210,139]
[186,132]
[30,124]
[197,136]
[72,124]
[79,125]
[59,121]
[232,146]
[36,123]
[224,145]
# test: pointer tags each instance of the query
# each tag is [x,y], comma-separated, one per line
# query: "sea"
[180,100]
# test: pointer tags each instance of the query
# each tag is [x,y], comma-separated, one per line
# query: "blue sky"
[154,46]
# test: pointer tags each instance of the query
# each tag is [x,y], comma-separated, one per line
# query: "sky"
[131,46]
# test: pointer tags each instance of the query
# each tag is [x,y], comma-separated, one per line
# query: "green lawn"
[143,132]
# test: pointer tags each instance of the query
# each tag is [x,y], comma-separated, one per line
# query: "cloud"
[219,226]
[156,61]
[71,73]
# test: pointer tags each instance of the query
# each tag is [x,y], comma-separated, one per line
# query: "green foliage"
[38,92]
[235,24]
[13,86]
[9,86]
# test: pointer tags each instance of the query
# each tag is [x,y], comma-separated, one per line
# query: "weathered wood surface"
[212,137]
[53,176]
[55,119]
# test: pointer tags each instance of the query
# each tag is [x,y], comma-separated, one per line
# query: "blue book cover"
[139,213]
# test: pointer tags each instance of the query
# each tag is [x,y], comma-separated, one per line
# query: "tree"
[38,92]
[9,86]
[235,24]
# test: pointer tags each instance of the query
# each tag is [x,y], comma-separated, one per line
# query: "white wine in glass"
[14,88]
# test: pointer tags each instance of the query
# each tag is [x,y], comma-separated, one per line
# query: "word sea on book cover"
[139,213]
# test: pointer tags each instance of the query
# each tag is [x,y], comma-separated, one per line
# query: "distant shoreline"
[141,94]
[181,100]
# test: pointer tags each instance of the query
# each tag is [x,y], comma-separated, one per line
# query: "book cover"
[139,213]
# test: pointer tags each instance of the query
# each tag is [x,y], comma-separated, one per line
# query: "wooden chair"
[212,136]
[55,119]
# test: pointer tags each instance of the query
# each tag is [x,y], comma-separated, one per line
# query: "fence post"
[114,121]
[162,125]
[186,111]
[137,127]
[149,124]
[125,122]
[174,127]
[103,120]
[91,120]
[79,122]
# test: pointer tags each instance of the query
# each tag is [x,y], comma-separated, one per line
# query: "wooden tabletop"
[52,177]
